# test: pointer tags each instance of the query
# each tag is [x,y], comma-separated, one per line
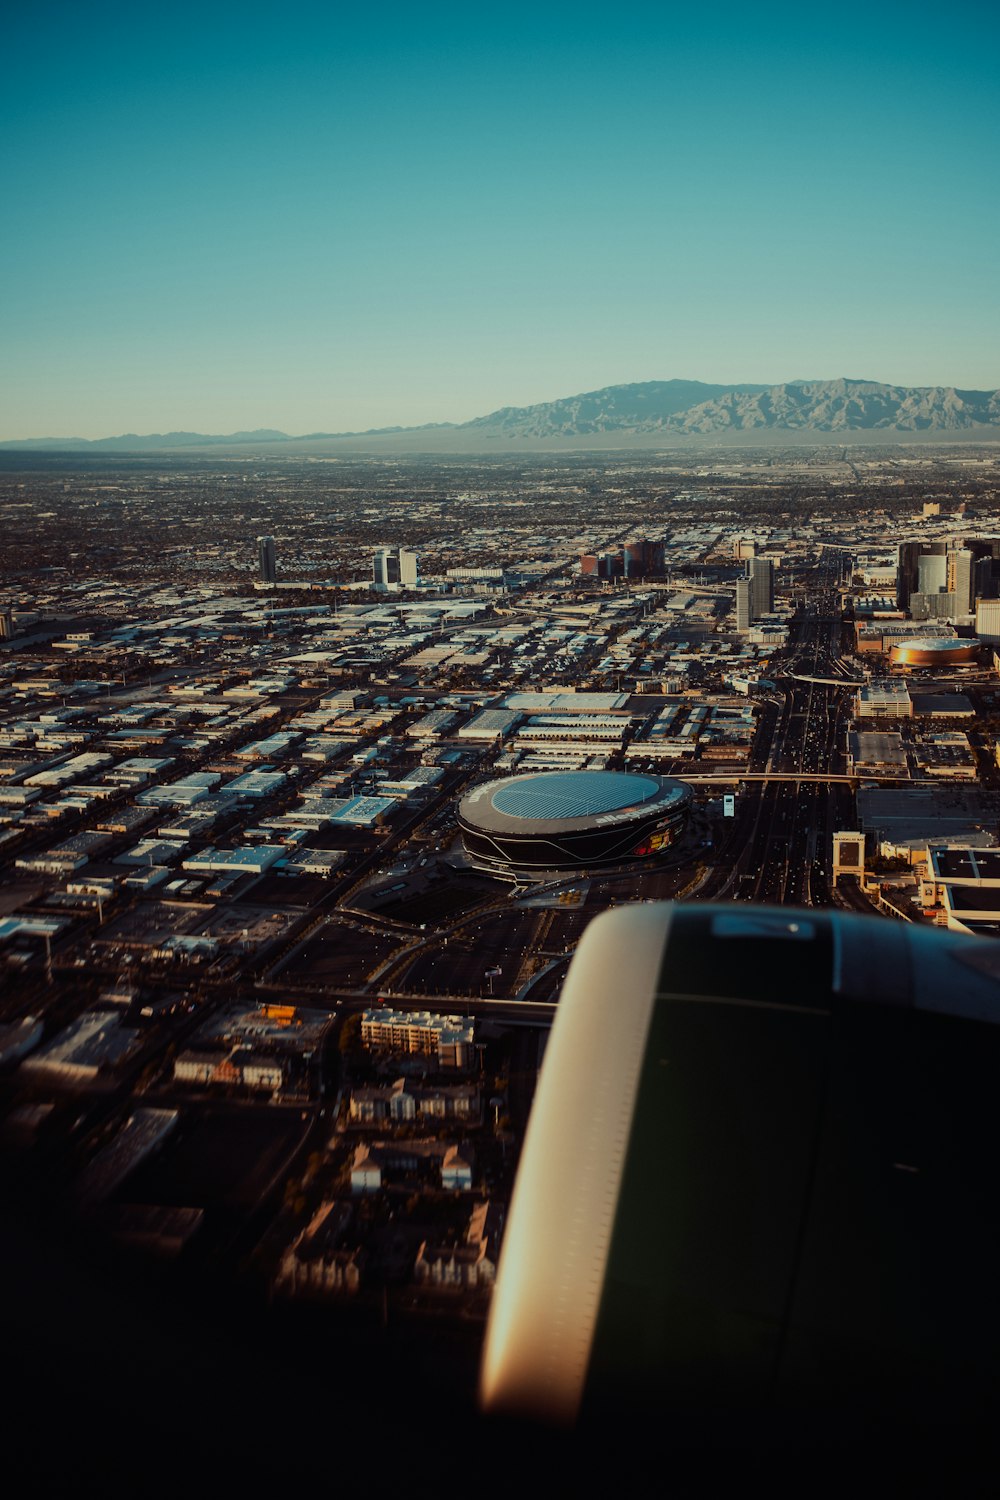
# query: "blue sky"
[318,218]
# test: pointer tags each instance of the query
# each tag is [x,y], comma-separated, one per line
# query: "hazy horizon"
[779,434]
[303,221]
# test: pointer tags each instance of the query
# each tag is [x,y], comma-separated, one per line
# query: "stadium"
[570,820]
[934,651]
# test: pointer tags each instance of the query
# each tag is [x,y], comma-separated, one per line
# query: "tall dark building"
[638,559]
[266,557]
[985,578]
[760,571]
[600,564]
[963,566]
[922,569]
[642,559]
[961,578]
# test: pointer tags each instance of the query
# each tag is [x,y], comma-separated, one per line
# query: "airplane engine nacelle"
[759,1173]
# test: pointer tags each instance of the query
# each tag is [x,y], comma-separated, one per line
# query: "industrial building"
[882,754]
[903,821]
[88,1047]
[882,635]
[888,699]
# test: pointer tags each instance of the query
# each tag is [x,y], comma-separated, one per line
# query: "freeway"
[443,1002]
[778,848]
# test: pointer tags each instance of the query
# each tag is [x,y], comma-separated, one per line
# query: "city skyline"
[308,224]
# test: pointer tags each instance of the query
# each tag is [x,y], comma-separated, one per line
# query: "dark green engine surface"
[807,1211]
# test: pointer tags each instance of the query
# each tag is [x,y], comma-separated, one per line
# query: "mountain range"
[669,409]
[688,408]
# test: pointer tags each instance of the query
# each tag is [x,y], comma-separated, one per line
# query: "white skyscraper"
[381,568]
[988,621]
[744,603]
[391,570]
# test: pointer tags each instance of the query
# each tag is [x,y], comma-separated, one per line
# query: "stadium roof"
[572,794]
[569,799]
[942,645]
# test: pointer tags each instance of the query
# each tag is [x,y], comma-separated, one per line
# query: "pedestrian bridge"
[841,682]
[825,777]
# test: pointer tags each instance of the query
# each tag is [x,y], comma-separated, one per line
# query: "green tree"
[350,1034]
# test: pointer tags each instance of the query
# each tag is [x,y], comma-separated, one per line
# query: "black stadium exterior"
[570,820]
